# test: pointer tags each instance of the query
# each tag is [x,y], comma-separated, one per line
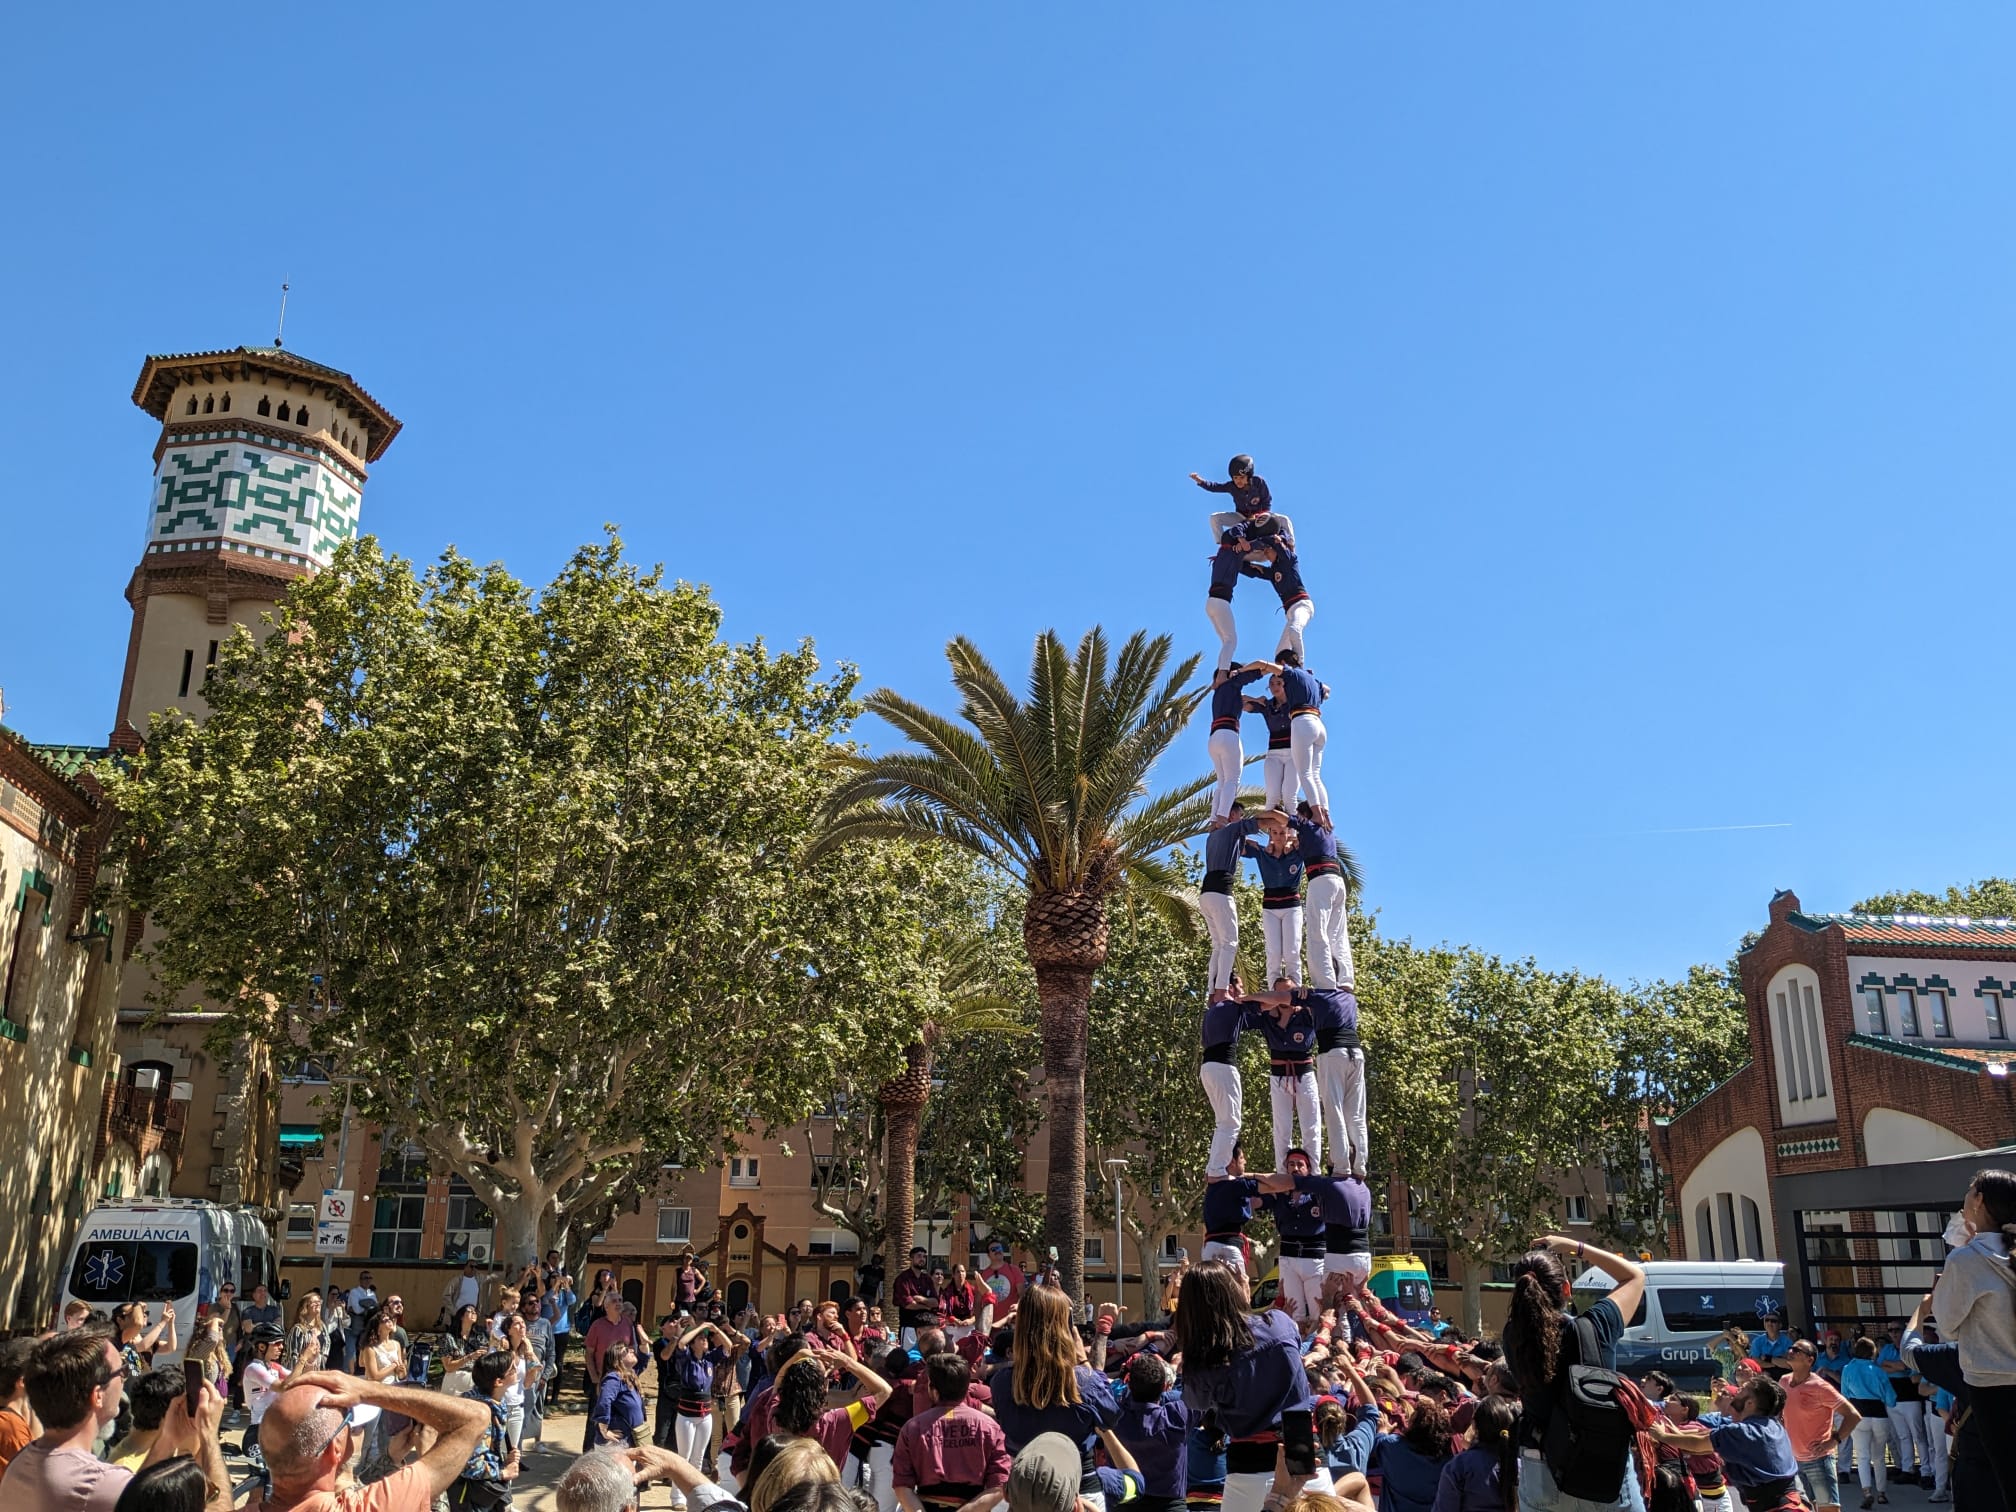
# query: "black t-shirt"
[1538,1397]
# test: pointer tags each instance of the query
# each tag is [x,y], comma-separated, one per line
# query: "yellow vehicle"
[1403,1284]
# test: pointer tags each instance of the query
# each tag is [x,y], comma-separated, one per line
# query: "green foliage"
[532,867]
[1990,898]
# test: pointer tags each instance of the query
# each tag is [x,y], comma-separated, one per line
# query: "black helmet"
[1239,464]
[267,1333]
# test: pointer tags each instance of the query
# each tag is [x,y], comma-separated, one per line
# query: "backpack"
[1589,1435]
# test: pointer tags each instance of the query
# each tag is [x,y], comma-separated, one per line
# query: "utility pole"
[342,1165]
[1118,1168]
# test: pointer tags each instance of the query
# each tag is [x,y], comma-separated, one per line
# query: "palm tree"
[970,1003]
[1053,792]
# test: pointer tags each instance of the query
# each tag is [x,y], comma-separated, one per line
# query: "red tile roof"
[1916,929]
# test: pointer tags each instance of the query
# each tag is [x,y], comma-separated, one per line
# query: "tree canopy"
[532,867]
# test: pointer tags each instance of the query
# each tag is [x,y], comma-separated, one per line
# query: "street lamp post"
[1117,1167]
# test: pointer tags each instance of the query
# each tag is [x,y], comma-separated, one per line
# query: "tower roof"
[159,375]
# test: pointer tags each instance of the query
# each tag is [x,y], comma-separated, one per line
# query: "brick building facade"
[1874,1041]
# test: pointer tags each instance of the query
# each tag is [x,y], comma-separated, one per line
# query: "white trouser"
[1907,1432]
[1278,773]
[881,1484]
[1220,613]
[1355,1268]
[1293,1096]
[1248,1493]
[1283,927]
[1221,1086]
[1935,1439]
[1329,933]
[1225,519]
[1231,1254]
[1227,756]
[1302,1287]
[690,1436]
[1306,739]
[1340,1083]
[1299,614]
[1872,1437]
[1222,920]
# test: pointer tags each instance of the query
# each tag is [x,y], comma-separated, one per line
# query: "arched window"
[1704,1230]
[192,404]
[224,404]
[209,403]
[1753,1231]
[303,416]
[283,411]
[265,405]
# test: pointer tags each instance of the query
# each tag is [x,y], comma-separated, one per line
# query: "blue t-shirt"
[1157,1435]
[1763,1347]
[1227,1204]
[1078,1422]
[1409,1479]
[1469,1483]
[1863,1381]
[1755,1451]
[1353,1449]
[1250,1392]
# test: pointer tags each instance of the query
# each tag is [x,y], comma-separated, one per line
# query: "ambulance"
[172,1251]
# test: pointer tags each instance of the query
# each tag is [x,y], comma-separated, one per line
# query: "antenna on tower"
[282,331]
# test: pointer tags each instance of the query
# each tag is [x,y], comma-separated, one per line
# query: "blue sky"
[1639,380]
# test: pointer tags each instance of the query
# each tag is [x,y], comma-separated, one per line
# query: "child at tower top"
[1251,499]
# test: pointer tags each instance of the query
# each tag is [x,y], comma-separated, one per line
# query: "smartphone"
[1053,1254]
[193,1389]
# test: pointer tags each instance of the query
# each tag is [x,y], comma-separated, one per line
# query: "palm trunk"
[1066,995]
[903,1099]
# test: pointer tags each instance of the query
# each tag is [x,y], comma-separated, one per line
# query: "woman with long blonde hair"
[784,1464]
[1047,1387]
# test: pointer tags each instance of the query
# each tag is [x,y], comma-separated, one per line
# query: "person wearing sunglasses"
[315,1424]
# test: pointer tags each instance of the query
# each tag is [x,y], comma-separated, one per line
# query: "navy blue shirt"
[1292,1215]
[1156,1434]
[1228,563]
[1079,1423]
[1221,853]
[1538,1399]
[1292,1041]
[1285,574]
[1275,712]
[1254,498]
[1408,1479]
[1226,1204]
[1280,876]
[1225,1020]
[1342,1208]
[1228,698]
[1319,847]
[1335,1011]
[1301,689]
[1206,1464]
[1250,1392]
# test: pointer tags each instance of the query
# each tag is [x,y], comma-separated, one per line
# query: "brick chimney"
[1784,903]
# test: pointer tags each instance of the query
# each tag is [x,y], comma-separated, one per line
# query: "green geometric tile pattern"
[254,497]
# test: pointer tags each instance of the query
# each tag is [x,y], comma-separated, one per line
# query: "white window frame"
[1909,1026]
[1582,1203]
[1994,1005]
[745,1170]
[1942,1012]
[835,1241]
[1877,1012]
[667,1208]
[1095,1249]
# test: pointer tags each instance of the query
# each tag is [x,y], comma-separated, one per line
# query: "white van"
[1687,1303]
[172,1250]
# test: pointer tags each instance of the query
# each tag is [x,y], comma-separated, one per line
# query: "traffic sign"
[332,1238]
[337,1205]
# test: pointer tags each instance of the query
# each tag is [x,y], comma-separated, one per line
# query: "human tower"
[1322,1208]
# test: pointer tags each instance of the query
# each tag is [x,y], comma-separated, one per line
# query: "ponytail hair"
[1532,1333]
[1428,1433]
[1997,1191]
[1496,1425]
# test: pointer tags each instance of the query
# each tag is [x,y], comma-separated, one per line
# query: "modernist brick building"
[1874,1041]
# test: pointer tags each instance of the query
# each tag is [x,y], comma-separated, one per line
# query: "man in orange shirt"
[310,1431]
[17,1423]
[1818,1419]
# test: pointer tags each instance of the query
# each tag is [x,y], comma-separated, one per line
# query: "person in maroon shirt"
[959,1303]
[801,1411]
[952,1452]
[916,1293]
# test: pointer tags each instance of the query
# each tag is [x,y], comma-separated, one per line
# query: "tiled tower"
[258,477]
